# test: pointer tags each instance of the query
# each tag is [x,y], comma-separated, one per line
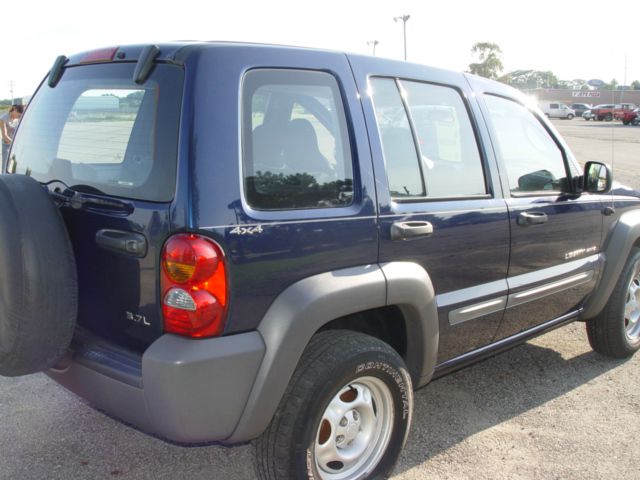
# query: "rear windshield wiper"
[73,198]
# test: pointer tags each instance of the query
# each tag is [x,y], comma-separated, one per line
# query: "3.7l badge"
[137,318]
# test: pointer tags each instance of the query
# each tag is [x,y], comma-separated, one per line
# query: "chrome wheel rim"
[632,307]
[354,430]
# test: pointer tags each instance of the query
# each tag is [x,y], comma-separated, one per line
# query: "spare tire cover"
[38,282]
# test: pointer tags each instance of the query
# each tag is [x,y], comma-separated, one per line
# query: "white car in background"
[557,110]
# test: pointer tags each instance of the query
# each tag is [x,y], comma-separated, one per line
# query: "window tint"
[453,167]
[296,151]
[400,155]
[449,161]
[532,159]
[100,132]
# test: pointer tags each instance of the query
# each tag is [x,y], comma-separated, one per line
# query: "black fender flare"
[616,252]
[304,307]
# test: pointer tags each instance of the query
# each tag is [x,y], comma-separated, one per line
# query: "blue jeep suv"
[231,242]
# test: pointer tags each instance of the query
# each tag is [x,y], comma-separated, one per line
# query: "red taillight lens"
[194,286]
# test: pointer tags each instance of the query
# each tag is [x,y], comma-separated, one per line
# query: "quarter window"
[296,151]
[533,161]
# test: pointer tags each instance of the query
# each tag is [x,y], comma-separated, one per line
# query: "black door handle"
[122,242]
[410,230]
[531,218]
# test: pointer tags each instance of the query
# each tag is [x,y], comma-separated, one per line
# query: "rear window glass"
[98,131]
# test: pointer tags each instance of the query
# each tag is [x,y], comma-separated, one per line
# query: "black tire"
[335,368]
[616,331]
[625,122]
[38,285]
[608,117]
[570,116]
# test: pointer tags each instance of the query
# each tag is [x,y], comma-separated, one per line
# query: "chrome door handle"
[410,230]
[532,218]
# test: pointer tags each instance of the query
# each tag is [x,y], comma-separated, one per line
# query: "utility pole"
[374,43]
[404,19]
[11,85]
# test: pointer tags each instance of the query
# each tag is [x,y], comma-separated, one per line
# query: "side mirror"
[597,178]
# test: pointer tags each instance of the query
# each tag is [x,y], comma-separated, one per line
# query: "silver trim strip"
[493,289]
[478,310]
[498,289]
[542,291]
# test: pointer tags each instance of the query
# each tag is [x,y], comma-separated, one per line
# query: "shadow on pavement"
[459,405]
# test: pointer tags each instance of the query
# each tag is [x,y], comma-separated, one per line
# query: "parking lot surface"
[548,409]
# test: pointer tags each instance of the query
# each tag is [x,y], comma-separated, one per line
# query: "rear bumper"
[188,391]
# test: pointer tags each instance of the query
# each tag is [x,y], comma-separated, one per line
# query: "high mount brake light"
[193,286]
[103,55]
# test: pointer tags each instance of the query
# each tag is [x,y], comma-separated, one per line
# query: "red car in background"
[622,108]
[603,112]
[631,116]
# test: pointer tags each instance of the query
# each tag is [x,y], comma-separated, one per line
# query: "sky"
[572,39]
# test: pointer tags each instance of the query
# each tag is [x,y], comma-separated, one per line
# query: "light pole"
[374,43]
[404,19]
[11,85]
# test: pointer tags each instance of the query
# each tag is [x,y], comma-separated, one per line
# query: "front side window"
[532,159]
[296,151]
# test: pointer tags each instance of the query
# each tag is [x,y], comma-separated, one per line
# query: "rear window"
[98,131]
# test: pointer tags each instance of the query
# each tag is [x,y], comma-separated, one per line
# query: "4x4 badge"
[246,230]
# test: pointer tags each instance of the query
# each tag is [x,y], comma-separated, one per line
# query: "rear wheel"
[345,415]
[570,116]
[616,331]
[608,117]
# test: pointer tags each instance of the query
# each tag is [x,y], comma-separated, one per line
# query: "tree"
[489,64]
[635,85]
[612,85]
[530,79]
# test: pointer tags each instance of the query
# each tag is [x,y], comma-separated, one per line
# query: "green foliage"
[299,190]
[635,85]
[612,85]
[531,79]
[489,64]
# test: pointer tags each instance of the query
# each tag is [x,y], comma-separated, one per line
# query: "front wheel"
[570,116]
[616,331]
[345,415]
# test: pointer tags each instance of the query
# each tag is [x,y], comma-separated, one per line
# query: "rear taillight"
[194,286]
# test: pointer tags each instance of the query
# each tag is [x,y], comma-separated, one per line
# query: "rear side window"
[296,151]
[98,131]
[428,142]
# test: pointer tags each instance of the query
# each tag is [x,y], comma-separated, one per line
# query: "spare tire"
[38,281]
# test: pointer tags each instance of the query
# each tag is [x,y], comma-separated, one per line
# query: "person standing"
[8,124]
